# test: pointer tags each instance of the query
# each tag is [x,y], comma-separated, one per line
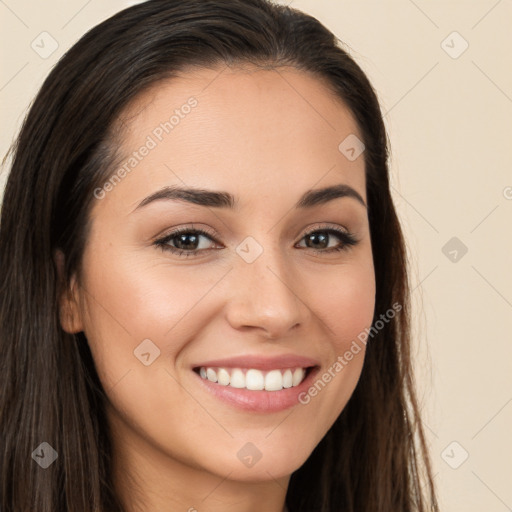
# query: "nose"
[266,296]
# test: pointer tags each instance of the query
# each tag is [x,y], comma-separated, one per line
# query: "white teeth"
[223,377]
[298,375]
[287,379]
[256,380]
[211,375]
[274,381]
[237,379]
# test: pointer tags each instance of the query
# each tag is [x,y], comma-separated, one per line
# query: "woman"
[204,286]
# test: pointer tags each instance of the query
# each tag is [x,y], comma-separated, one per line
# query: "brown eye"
[319,240]
[186,241]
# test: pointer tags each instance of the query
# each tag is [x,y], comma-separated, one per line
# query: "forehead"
[252,131]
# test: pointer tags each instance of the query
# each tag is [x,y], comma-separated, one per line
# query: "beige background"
[449,118]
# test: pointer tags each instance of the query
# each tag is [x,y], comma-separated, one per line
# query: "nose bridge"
[265,294]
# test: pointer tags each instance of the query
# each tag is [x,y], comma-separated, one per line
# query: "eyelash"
[348,240]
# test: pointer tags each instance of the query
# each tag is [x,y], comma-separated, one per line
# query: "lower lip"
[261,400]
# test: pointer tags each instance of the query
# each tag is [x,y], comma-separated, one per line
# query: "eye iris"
[320,236]
[182,240]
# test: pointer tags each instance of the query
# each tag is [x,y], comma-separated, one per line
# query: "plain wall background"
[448,111]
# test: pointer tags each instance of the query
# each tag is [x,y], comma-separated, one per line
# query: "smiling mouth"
[253,379]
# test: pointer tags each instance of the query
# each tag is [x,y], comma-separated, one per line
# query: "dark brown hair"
[375,455]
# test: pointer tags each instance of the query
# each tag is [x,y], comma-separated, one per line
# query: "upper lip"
[261,362]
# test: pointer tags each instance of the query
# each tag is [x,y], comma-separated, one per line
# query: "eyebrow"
[220,199]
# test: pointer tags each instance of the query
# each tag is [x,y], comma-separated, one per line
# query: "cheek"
[138,299]
[344,301]
[143,297]
[343,297]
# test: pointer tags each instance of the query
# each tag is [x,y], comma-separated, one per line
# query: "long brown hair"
[375,455]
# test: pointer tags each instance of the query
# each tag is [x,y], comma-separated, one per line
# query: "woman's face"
[262,291]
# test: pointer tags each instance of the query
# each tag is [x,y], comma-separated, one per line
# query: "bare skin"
[266,137]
